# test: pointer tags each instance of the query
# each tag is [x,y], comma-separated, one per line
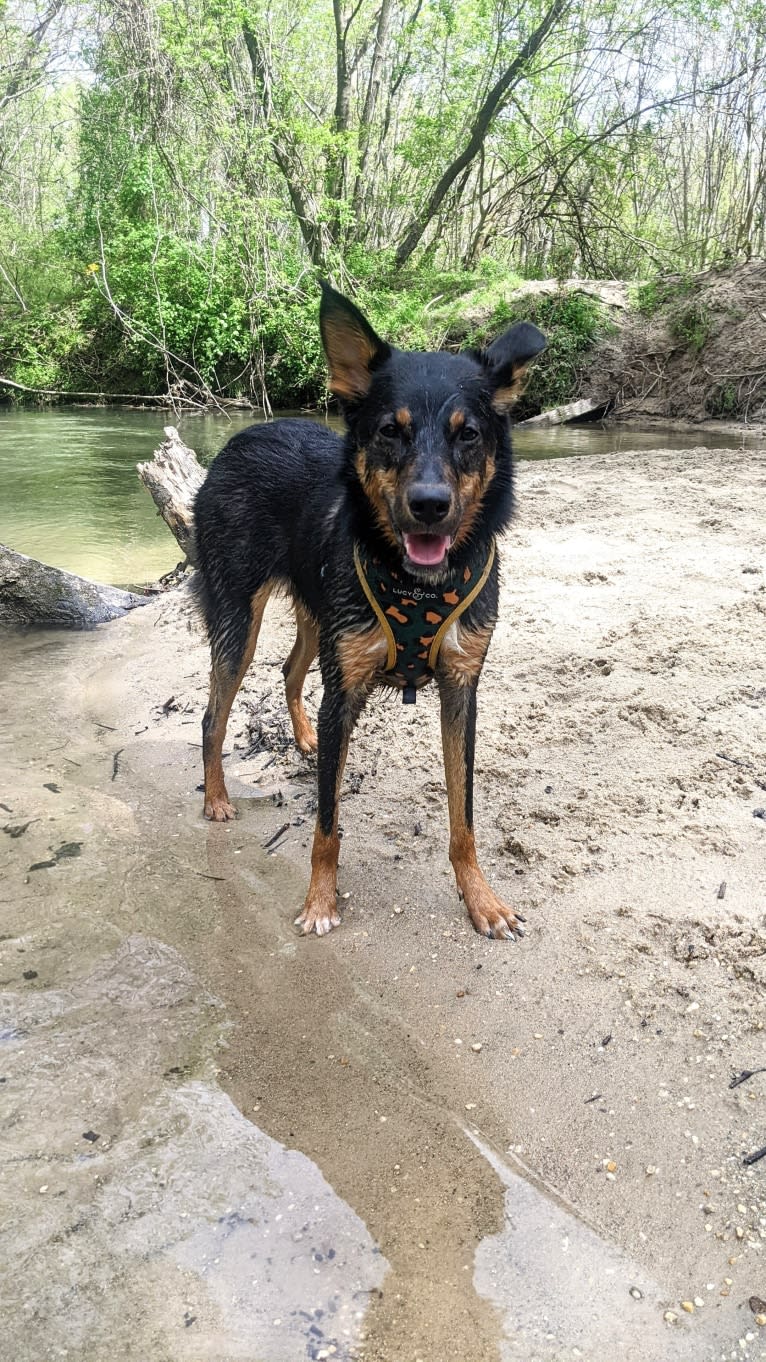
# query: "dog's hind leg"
[232,644]
[304,651]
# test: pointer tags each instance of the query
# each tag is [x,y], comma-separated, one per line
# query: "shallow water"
[70,495]
[149,1214]
[565,1291]
[142,1214]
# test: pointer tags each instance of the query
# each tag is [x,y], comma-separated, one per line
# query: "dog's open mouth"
[427,550]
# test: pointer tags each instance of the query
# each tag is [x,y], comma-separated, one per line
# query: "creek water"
[70,495]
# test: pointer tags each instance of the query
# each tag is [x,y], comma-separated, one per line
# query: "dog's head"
[429,432]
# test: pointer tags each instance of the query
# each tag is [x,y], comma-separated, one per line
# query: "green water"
[69,493]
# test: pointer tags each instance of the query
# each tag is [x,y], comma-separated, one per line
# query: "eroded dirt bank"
[690,350]
[169,1041]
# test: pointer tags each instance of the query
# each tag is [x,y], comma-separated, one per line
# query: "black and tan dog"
[386,544]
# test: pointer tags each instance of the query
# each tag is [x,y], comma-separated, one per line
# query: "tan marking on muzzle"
[471,488]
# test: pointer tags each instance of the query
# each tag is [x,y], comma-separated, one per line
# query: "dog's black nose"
[429,502]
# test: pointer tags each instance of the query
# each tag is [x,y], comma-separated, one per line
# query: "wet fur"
[282,507]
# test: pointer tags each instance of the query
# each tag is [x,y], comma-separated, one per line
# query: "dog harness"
[414,617]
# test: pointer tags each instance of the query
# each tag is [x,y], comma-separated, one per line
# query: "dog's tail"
[202,597]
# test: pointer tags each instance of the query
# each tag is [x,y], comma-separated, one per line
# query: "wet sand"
[299,1152]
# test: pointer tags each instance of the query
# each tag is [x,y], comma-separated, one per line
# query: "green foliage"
[688,320]
[286,330]
[722,401]
[41,349]
[168,312]
[164,220]
[40,344]
[187,303]
[572,322]
[178,303]
[691,326]
[652,295]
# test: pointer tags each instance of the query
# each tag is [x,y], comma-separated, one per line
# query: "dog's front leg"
[488,913]
[338,713]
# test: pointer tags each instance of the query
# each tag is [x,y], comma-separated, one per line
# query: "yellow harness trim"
[435,647]
[457,612]
[384,624]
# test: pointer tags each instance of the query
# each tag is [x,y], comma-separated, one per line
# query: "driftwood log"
[173,477]
[558,416]
[34,594]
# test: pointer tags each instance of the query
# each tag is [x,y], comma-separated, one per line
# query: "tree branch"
[481,125]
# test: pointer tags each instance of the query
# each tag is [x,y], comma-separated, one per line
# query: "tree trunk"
[284,153]
[34,594]
[479,129]
[371,99]
[174,477]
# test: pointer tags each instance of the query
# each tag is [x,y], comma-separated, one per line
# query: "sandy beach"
[403,1142]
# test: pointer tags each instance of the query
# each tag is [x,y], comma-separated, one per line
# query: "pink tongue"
[427,549]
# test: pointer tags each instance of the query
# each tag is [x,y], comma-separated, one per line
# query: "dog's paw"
[491,917]
[306,740]
[319,915]
[219,810]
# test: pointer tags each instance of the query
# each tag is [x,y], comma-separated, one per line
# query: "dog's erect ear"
[352,348]
[507,360]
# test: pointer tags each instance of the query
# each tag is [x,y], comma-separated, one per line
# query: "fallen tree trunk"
[558,416]
[161,398]
[34,594]
[174,477]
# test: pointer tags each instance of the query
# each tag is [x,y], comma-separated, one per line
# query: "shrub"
[572,322]
[691,326]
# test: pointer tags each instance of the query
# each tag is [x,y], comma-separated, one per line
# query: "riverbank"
[565,1186]
[676,347]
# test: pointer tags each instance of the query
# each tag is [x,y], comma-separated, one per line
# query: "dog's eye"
[468,434]
[389,430]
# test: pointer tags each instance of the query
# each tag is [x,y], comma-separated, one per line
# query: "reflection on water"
[565,1292]
[563,442]
[144,1216]
[70,494]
